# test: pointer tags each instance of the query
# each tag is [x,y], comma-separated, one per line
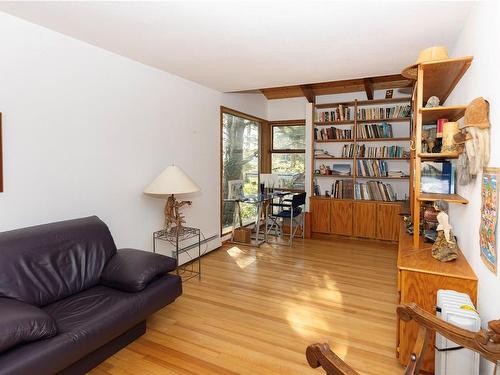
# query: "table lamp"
[172,181]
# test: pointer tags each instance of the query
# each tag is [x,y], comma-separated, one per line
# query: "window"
[288,152]
[240,162]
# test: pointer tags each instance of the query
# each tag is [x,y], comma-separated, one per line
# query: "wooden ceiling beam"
[368,83]
[308,93]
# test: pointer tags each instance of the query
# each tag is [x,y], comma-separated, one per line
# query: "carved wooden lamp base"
[173,218]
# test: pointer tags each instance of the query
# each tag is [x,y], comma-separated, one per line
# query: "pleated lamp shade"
[172,180]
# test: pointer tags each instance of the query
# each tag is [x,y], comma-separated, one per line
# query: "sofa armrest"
[132,270]
[21,322]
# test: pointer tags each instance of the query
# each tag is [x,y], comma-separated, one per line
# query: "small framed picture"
[235,189]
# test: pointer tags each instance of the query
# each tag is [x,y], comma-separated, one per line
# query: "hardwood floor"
[256,310]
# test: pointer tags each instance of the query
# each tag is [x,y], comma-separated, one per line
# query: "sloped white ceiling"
[242,45]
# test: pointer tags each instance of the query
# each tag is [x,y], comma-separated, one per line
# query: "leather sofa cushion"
[42,264]
[21,323]
[85,322]
[132,270]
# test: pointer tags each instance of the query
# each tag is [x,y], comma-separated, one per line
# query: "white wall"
[249,103]
[86,130]
[481,39]
[286,109]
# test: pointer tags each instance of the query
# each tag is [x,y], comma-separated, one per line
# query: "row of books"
[371,190]
[341,113]
[348,151]
[332,133]
[374,190]
[383,130]
[372,168]
[363,151]
[379,113]
[343,189]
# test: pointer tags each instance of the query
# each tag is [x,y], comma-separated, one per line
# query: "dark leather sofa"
[69,299]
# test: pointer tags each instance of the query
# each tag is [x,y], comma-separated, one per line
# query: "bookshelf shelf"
[333,140]
[452,198]
[383,177]
[382,139]
[396,119]
[441,77]
[331,123]
[405,99]
[434,156]
[386,158]
[333,176]
[332,158]
[452,113]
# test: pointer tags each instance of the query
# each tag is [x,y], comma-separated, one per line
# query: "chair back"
[298,199]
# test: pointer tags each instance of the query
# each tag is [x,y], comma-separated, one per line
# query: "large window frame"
[273,150]
[261,124]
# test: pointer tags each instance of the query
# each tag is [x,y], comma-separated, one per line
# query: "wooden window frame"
[277,124]
[262,123]
[272,150]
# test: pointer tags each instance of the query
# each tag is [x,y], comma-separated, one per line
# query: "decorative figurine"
[445,247]
[432,102]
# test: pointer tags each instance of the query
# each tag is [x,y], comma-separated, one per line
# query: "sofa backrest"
[45,263]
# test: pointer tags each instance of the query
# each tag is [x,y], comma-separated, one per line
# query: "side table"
[178,238]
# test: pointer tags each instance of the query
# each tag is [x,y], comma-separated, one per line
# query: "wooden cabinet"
[388,221]
[364,219]
[320,215]
[348,217]
[420,276]
[341,217]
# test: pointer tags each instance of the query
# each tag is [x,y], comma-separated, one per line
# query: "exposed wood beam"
[391,81]
[368,83]
[308,93]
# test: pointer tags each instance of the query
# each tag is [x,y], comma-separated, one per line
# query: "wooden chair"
[484,342]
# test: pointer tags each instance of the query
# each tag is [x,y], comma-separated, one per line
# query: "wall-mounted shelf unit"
[353,122]
[437,78]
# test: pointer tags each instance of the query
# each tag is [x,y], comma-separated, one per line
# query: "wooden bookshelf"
[387,158]
[391,119]
[437,78]
[334,140]
[354,122]
[382,177]
[452,113]
[441,77]
[436,156]
[392,139]
[334,123]
[332,158]
[452,198]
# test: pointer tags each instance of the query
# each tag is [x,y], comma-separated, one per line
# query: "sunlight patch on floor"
[241,258]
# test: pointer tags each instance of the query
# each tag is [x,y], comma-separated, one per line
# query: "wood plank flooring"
[256,310]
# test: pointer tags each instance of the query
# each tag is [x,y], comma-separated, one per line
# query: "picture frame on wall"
[489,213]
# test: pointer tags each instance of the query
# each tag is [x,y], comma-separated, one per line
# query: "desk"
[259,201]
[420,276]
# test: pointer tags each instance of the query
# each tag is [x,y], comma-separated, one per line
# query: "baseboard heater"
[452,359]
[207,245]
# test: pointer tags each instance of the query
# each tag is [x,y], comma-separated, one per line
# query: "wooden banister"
[484,342]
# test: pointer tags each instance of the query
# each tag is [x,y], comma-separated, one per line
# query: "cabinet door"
[320,215]
[365,216]
[341,217]
[388,221]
